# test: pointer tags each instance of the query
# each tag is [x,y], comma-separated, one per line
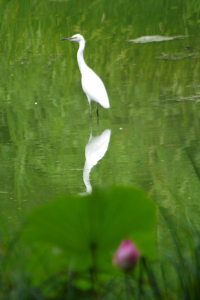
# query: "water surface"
[44,114]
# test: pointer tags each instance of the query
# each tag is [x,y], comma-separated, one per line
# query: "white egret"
[92,85]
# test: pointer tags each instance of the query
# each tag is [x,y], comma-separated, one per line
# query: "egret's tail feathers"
[106,105]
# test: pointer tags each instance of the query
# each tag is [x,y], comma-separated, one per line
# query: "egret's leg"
[89,100]
[98,125]
[90,131]
[97,110]
[91,119]
[90,111]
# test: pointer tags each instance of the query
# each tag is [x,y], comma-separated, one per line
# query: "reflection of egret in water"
[94,151]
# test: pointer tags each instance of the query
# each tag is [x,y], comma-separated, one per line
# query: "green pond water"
[152,128]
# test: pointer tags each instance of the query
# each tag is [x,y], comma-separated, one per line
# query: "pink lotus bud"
[126,256]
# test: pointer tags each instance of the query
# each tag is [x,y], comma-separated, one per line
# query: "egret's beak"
[70,38]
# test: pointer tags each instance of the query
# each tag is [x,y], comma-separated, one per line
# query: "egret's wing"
[97,147]
[94,87]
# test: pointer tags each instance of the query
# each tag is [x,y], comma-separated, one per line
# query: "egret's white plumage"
[92,85]
[94,151]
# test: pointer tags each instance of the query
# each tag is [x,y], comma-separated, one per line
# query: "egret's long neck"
[80,57]
[86,176]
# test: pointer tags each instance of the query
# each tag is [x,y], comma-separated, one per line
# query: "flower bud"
[126,256]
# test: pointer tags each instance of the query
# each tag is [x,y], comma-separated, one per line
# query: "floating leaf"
[156,38]
[177,56]
[91,227]
[195,98]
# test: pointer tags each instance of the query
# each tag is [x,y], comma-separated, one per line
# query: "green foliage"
[90,228]
[66,247]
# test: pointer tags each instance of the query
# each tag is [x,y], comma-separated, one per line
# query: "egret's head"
[75,38]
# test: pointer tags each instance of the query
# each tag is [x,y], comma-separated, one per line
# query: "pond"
[150,135]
